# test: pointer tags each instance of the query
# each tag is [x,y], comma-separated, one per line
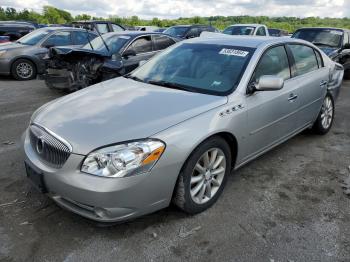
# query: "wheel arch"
[26,58]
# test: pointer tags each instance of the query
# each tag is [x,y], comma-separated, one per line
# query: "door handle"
[292,97]
[323,83]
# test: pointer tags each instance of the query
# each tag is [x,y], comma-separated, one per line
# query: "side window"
[346,38]
[319,59]
[59,39]
[305,59]
[142,45]
[102,28]
[273,62]
[261,31]
[116,28]
[161,42]
[80,38]
[194,32]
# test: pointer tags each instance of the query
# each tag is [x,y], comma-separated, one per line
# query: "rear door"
[271,115]
[143,48]
[313,79]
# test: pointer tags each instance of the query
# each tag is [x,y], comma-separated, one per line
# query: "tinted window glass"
[114,43]
[142,45]
[273,62]
[319,59]
[162,42]
[102,28]
[305,59]
[261,31]
[34,37]
[117,28]
[346,38]
[320,37]
[80,38]
[206,68]
[59,39]
[178,31]
[194,32]
[239,30]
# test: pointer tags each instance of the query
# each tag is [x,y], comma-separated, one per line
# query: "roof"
[58,28]
[255,25]
[330,28]
[246,41]
[133,33]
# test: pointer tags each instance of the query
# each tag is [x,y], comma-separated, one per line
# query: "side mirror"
[268,83]
[129,52]
[142,62]
[347,46]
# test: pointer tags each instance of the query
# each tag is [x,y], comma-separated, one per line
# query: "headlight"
[2,52]
[124,159]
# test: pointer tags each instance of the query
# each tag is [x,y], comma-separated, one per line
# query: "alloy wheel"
[24,70]
[327,112]
[207,175]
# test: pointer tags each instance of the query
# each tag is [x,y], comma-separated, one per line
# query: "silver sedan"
[175,128]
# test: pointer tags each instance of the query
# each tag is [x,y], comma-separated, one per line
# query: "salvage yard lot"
[287,205]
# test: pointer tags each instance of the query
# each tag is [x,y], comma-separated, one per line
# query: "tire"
[325,118]
[347,74]
[184,189]
[23,69]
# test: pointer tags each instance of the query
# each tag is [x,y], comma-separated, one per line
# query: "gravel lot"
[285,206]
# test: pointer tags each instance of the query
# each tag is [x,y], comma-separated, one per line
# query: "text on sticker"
[235,52]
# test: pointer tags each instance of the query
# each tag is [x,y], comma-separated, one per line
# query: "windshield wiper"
[318,43]
[169,85]
[134,78]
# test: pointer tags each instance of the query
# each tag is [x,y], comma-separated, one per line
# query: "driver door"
[271,115]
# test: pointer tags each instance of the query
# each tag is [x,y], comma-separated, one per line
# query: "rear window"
[161,42]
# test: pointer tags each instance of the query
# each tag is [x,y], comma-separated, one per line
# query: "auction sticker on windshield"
[234,52]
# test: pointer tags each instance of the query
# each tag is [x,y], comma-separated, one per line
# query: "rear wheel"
[204,176]
[23,69]
[347,74]
[325,118]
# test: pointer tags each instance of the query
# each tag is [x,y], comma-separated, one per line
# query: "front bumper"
[102,199]
[5,66]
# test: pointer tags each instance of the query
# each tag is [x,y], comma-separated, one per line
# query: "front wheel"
[23,69]
[325,118]
[204,176]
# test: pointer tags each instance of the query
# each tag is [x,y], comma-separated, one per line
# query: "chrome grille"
[49,148]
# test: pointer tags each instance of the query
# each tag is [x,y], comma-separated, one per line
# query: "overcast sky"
[188,8]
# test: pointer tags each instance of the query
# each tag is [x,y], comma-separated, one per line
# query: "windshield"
[239,30]
[114,43]
[326,37]
[34,37]
[203,68]
[177,31]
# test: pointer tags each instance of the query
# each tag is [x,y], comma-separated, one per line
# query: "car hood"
[329,51]
[119,110]
[12,46]
[74,52]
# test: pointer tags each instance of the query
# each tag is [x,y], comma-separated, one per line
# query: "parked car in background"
[147,28]
[4,39]
[247,29]
[98,26]
[333,41]
[160,30]
[15,30]
[23,59]
[277,32]
[113,55]
[176,127]
[189,31]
